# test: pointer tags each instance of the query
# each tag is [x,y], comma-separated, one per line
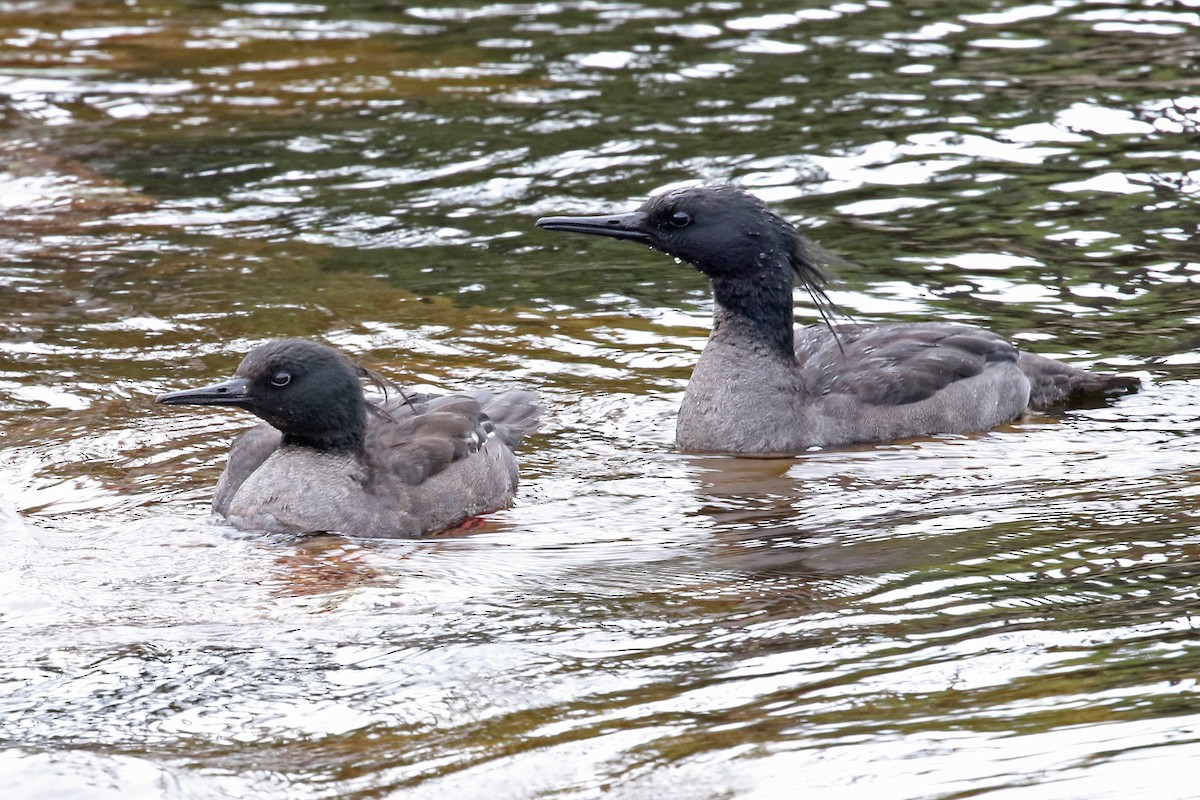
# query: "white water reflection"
[1005,613]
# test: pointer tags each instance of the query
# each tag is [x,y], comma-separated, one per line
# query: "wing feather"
[246,454]
[897,364]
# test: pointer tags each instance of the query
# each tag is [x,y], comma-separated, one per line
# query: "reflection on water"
[1008,613]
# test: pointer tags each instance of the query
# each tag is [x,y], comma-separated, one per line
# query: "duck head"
[723,231]
[309,392]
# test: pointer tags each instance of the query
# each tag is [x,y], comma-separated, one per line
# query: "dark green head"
[310,392]
[721,230]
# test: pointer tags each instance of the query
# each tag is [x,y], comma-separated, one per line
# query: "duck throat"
[755,310]
[333,444]
[341,437]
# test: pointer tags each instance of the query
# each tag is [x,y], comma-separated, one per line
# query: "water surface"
[1007,614]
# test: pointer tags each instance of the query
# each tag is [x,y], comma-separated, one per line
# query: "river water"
[1006,615]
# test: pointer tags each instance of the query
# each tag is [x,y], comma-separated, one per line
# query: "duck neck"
[755,309]
[341,437]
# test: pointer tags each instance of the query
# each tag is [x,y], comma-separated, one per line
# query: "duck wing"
[413,439]
[516,413]
[246,454]
[896,364]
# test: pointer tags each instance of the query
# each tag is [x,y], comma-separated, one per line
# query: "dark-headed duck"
[763,386]
[329,459]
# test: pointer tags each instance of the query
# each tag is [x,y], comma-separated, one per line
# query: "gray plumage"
[763,387]
[327,459]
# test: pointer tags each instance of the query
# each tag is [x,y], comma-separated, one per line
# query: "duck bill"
[235,392]
[630,226]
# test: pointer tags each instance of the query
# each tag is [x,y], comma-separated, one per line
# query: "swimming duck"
[764,387]
[328,459]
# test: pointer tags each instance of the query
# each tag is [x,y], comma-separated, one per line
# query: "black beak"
[235,392]
[630,226]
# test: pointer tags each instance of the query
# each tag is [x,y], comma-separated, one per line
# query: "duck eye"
[281,379]
[680,219]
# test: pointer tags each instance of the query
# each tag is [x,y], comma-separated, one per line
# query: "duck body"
[764,387]
[858,385]
[327,459]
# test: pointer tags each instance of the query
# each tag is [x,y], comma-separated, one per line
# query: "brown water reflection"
[1007,614]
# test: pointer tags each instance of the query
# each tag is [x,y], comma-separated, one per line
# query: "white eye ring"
[281,379]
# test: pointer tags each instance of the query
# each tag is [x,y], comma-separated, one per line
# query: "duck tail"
[516,414]
[1053,384]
